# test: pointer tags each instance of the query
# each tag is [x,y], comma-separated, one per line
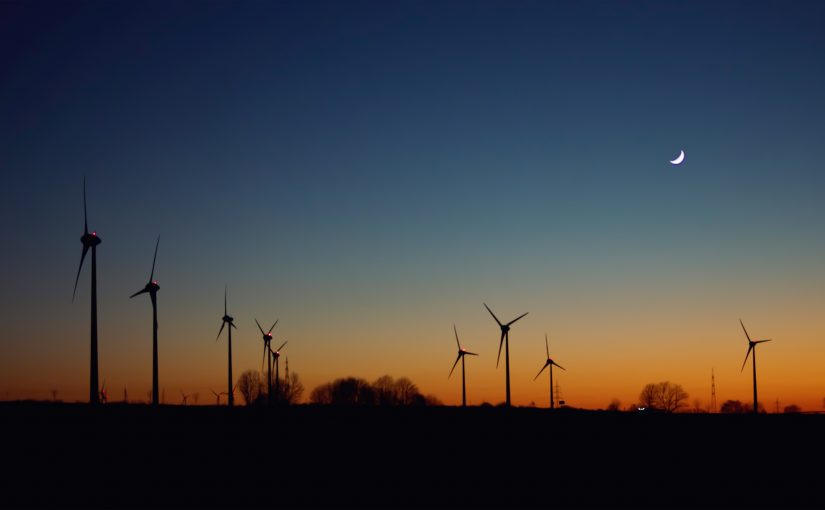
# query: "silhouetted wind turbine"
[505,339]
[549,363]
[217,396]
[103,397]
[152,289]
[461,354]
[752,347]
[184,396]
[228,320]
[277,355]
[267,339]
[90,240]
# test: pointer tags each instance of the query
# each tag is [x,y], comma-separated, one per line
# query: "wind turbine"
[267,339]
[549,363]
[217,397]
[752,347]
[228,320]
[505,339]
[184,396]
[461,354]
[277,355]
[152,288]
[90,240]
[103,397]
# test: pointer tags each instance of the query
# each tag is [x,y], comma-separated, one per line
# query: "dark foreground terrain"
[132,456]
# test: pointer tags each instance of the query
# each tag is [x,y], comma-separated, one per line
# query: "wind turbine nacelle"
[90,239]
[227,318]
[152,287]
[505,328]
[267,337]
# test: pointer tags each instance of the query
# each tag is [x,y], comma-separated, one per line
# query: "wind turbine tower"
[505,340]
[90,240]
[228,320]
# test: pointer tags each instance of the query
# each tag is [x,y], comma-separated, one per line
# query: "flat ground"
[133,456]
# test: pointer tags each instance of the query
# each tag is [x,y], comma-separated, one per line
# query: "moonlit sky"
[370,173]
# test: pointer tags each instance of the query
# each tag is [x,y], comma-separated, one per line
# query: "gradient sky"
[372,172]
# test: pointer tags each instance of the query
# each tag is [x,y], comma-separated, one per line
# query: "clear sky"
[370,173]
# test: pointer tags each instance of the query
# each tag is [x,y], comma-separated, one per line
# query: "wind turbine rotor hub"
[505,328]
[227,318]
[90,239]
[267,337]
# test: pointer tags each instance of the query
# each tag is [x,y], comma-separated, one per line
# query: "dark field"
[116,456]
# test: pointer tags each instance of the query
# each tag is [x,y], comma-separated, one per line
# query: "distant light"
[641,408]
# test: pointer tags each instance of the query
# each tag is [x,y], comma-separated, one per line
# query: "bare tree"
[384,388]
[405,391]
[614,405]
[649,396]
[665,396]
[321,394]
[793,408]
[250,386]
[291,389]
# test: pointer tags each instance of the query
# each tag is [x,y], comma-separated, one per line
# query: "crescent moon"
[679,159]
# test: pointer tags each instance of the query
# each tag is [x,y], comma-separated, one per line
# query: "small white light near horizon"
[679,159]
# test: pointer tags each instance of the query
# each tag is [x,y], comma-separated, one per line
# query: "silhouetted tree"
[384,391]
[614,405]
[384,388]
[406,392]
[250,386]
[664,396]
[748,407]
[291,390]
[793,408]
[321,394]
[732,407]
[432,400]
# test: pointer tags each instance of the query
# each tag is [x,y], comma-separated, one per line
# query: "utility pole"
[712,392]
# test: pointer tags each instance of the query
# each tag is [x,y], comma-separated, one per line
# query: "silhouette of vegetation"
[793,408]
[748,407]
[732,407]
[291,389]
[664,396]
[250,386]
[614,405]
[385,391]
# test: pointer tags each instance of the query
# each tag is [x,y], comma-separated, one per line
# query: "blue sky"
[335,160]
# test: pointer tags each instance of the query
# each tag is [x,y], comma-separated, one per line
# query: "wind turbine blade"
[281,347]
[154,297]
[142,291]
[263,358]
[745,330]
[454,364]
[273,325]
[750,348]
[85,221]
[517,318]
[259,327]
[501,342]
[232,325]
[470,353]
[546,347]
[491,313]
[224,301]
[561,367]
[77,278]
[213,392]
[456,337]
[155,259]
[221,330]
[540,371]
[762,341]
